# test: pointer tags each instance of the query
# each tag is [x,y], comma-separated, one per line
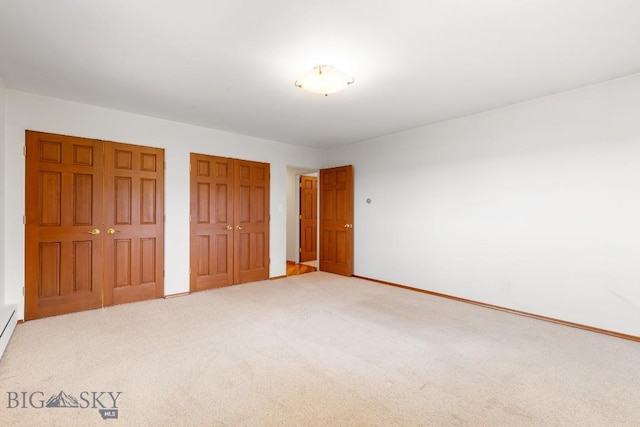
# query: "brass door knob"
[229,227]
[112,231]
[95,232]
[239,227]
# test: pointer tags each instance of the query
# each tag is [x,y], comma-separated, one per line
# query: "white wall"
[33,112]
[534,207]
[3,167]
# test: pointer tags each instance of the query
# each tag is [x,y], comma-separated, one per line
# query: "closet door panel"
[211,222]
[251,261]
[63,244]
[134,223]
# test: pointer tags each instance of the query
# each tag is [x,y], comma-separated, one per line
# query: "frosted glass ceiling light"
[324,79]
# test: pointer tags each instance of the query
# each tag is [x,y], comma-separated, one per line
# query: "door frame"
[292,226]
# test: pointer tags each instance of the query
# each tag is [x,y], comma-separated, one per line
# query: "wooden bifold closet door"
[94,232]
[229,221]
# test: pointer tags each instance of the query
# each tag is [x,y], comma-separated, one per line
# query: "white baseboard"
[8,322]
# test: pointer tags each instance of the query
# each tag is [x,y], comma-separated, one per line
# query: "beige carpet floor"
[316,350]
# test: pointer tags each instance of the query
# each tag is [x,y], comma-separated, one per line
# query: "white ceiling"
[231,64]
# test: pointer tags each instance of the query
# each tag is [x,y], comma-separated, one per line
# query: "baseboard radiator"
[8,322]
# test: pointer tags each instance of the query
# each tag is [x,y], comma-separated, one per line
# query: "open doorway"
[302,220]
[308,220]
[335,214]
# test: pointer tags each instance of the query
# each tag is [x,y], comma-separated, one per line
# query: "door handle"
[348,226]
[95,232]
[229,227]
[239,227]
[112,231]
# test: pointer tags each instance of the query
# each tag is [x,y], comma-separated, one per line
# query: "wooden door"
[134,223]
[308,218]
[251,214]
[229,221]
[63,244]
[212,222]
[94,232]
[336,220]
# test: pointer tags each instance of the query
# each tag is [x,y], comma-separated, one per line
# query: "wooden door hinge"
[300,250]
[24,151]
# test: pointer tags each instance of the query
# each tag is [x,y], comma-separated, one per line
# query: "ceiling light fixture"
[324,79]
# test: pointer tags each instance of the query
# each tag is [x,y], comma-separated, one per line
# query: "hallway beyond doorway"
[294,269]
